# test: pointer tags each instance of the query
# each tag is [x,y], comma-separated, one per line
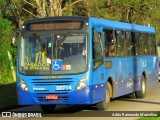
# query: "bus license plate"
[51,97]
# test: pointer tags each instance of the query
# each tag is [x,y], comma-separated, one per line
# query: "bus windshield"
[53,54]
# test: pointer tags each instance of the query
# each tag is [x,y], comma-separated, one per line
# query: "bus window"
[38,52]
[150,45]
[109,43]
[145,43]
[153,42]
[139,43]
[97,50]
[129,43]
[120,43]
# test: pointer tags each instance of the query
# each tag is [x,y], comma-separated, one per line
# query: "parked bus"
[83,60]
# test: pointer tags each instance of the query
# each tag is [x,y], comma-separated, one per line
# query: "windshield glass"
[53,54]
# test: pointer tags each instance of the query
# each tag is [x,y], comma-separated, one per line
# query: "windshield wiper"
[64,38]
[59,44]
[39,40]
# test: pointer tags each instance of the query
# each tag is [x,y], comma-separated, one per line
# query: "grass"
[6,78]
[151,118]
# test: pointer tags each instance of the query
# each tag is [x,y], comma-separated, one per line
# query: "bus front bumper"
[75,97]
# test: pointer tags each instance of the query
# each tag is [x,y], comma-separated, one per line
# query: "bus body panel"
[99,84]
[125,83]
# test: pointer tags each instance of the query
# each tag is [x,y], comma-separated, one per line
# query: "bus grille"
[50,86]
[52,83]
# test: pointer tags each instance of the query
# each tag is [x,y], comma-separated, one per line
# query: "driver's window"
[97,50]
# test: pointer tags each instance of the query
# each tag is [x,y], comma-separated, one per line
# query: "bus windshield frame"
[35,47]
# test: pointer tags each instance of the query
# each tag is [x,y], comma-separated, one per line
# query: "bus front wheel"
[141,93]
[48,108]
[105,104]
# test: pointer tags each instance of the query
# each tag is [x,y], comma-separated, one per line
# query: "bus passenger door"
[98,67]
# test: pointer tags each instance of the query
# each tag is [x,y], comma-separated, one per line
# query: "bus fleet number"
[64,87]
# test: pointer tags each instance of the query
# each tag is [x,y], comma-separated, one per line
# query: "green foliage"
[149,118]
[5,33]
[68,12]
[2,1]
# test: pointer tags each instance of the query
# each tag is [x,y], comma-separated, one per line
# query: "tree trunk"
[47,8]
[88,8]
[55,8]
[40,9]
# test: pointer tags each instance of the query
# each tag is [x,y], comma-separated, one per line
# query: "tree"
[5,33]
[20,10]
[45,8]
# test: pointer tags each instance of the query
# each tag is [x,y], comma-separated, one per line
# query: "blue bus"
[83,60]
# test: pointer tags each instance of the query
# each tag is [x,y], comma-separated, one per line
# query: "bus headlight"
[82,83]
[23,84]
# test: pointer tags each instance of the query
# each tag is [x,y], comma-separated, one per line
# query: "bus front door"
[98,68]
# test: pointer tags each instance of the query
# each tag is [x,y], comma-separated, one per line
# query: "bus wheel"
[141,93]
[48,108]
[105,104]
[132,95]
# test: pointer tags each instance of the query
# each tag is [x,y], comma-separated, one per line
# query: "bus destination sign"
[55,26]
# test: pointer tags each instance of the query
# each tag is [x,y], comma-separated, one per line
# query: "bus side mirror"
[14,39]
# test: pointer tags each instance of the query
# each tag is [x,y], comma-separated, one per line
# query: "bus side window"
[109,47]
[139,43]
[129,43]
[145,44]
[97,49]
[153,39]
[152,44]
[120,44]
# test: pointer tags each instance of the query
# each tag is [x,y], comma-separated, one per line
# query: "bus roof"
[56,18]
[109,24]
[121,25]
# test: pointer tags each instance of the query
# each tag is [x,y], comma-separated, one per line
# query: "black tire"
[48,108]
[105,104]
[141,93]
[132,95]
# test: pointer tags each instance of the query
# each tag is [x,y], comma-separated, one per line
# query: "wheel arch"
[145,75]
[145,78]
